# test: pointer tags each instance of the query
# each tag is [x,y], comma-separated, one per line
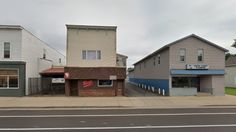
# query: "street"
[117,120]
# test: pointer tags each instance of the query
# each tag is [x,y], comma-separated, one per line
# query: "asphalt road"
[119,120]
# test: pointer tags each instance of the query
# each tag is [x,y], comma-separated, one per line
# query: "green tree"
[234,44]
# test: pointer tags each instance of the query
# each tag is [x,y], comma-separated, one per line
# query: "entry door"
[74,88]
[198,84]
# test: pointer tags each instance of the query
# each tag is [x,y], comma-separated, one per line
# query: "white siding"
[33,49]
[14,37]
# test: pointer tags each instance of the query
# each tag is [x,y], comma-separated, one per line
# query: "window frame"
[202,55]
[5,50]
[104,85]
[159,59]
[98,54]
[18,81]
[185,52]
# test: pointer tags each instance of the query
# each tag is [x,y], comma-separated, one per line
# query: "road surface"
[119,120]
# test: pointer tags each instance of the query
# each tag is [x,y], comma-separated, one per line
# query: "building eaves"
[121,55]
[15,27]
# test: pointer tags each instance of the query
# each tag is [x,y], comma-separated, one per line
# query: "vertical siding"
[218,85]
[151,71]
[213,56]
[230,76]
[83,39]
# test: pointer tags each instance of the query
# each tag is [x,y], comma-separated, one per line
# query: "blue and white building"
[184,67]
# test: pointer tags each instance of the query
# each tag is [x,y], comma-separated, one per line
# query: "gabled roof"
[175,42]
[231,61]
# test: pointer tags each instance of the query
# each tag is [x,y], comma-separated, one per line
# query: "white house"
[23,56]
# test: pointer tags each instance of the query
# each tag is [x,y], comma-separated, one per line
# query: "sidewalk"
[118,102]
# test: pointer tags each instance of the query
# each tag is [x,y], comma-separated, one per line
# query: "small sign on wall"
[113,77]
[66,75]
[88,83]
[197,66]
[58,80]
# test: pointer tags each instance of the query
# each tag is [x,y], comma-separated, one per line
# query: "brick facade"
[77,76]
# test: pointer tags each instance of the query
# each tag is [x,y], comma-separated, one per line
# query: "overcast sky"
[143,25]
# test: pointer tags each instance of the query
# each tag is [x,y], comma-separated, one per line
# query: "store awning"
[197,72]
[53,71]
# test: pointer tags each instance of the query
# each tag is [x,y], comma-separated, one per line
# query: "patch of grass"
[231,91]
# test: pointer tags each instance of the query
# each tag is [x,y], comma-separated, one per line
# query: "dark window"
[6,50]
[44,53]
[185,82]
[59,60]
[182,54]
[200,55]
[105,83]
[159,59]
[154,61]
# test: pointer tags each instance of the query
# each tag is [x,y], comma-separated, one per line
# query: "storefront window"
[9,78]
[105,83]
[185,82]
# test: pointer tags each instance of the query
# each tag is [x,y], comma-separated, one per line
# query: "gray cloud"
[143,25]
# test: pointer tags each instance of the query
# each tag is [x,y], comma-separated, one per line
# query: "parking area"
[132,90]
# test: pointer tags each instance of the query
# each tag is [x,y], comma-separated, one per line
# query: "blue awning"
[197,72]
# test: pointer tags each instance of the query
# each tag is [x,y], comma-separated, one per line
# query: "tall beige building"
[93,67]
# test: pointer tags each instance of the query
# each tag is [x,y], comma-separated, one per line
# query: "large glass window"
[182,54]
[200,54]
[105,83]
[91,54]
[9,78]
[7,50]
[185,82]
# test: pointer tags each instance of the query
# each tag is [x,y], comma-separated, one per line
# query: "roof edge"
[181,39]
[69,26]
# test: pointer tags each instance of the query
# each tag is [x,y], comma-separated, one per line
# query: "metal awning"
[197,72]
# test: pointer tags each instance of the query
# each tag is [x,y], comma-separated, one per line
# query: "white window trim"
[185,56]
[8,78]
[4,51]
[105,85]
[202,55]
[86,55]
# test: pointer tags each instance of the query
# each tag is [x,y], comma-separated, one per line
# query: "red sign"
[66,75]
[87,83]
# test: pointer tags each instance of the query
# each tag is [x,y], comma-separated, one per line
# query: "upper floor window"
[154,61]
[91,55]
[59,60]
[159,59]
[7,49]
[182,55]
[200,55]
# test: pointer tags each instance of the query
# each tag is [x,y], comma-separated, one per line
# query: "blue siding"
[156,83]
